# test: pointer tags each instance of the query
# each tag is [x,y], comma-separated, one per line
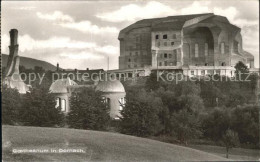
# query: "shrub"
[38,109]
[88,110]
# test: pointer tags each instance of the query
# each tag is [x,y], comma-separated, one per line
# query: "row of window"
[165,63]
[206,49]
[164,44]
[165,55]
[165,36]
[137,53]
[210,72]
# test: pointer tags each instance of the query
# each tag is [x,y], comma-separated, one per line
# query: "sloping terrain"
[29,63]
[97,146]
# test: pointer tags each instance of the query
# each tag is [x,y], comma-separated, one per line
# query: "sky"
[83,34]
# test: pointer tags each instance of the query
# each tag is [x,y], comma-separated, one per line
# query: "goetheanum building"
[192,44]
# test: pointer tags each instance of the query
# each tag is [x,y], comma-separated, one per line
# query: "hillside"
[97,146]
[30,63]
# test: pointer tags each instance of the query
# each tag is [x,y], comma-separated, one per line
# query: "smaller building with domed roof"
[113,94]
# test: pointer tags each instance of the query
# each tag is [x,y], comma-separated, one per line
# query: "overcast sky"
[83,34]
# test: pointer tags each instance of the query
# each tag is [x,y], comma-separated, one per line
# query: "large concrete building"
[193,44]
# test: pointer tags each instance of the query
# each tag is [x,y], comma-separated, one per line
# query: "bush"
[10,105]
[185,126]
[140,114]
[38,109]
[245,121]
[216,123]
[88,110]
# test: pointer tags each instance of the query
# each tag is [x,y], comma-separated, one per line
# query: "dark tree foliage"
[152,83]
[216,123]
[88,110]
[245,121]
[230,140]
[11,103]
[38,109]
[185,126]
[140,114]
[241,67]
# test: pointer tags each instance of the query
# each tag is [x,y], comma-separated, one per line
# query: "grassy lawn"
[234,153]
[97,146]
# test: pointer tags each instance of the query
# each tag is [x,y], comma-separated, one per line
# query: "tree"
[152,83]
[185,126]
[245,121]
[140,114]
[38,109]
[230,139]
[88,110]
[11,103]
[216,123]
[241,67]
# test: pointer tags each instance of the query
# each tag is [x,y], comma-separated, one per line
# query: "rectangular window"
[165,55]
[192,72]
[170,55]
[172,43]
[222,48]
[175,52]
[165,63]
[196,50]
[157,36]
[158,44]
[174,36]
[206,49]
[165,36]
[165,43]
[202,72]
[160,63]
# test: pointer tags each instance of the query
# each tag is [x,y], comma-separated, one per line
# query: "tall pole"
[107,62]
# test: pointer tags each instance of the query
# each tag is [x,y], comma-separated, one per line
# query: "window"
[223,64]
[158,44]
[136,53]
[157,36]
[121,103]
[161,55]
[196,50]
[174,36]
[58,100]
[130,75]
[192,72]
[175,52]
[202,72]
[206,64]
[135,65]
[160,63]
[165,55]
[129,60]
[170,55]
[108,102]
[130,54]
[222,48]
[63,105]
[165,36]
[128,66]
[206,49]
[165,43]
[172,43]
[165,63]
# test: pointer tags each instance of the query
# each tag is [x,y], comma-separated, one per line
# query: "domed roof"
[110,86]
[60,85]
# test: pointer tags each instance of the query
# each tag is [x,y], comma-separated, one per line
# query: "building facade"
[185,42]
